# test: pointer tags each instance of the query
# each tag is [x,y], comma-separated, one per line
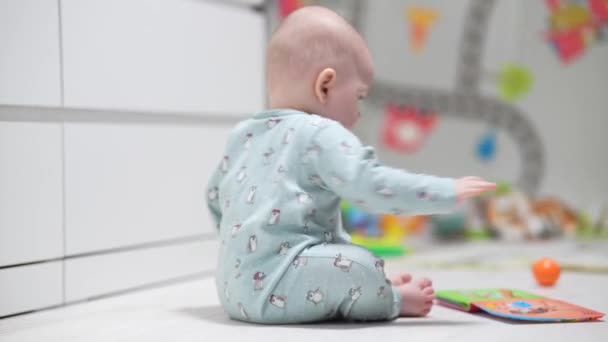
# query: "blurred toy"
[512,215]
[358,220]
[381,234]
[476,224]
[546,271]
[556,214]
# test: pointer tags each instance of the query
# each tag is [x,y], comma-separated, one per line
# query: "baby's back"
[273,205]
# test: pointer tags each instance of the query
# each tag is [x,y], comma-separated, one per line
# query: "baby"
[284,256]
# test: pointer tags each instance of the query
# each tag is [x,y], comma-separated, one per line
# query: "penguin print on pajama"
[316,180]
[346,148]
[288,136]
[380,265]
[343,263]
[252,245]
[329,237]
[381,292]
[315,296]
[225,163]
[280,174]
[306,227]
[213,193]
[268,156]
[258,279]
[271,123]
[247,143]
[236,229]
[251,195]
[278,301]
[237,267]
[310,153]
[424,195]
[275,217]
[299,261]
[355,293]
[310,214]
[240,177]
[383,190]
[284,248]
[304,198]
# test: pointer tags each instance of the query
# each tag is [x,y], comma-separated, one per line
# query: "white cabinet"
[92,276]
[29,53]
[134,184]
[163,55]
[30,287]
[30,192]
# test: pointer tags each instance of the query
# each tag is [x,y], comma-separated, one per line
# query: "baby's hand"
[467,187]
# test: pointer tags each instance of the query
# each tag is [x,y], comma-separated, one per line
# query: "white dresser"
[113,115]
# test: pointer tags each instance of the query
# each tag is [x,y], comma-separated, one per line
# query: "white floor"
[190,311]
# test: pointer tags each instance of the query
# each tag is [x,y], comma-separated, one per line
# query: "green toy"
[514,81]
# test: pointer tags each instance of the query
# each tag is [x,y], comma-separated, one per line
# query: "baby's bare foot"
[416,297]
[400,279]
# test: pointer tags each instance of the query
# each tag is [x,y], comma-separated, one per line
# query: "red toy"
[546,271]
[406,128]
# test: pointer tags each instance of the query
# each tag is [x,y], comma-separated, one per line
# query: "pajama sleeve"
[352,172]
[213,194]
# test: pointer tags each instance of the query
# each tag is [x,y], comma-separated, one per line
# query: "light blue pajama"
[284,256]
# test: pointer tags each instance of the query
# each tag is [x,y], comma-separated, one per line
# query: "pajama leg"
[332,281]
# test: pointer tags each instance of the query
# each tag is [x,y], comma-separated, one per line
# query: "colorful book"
[515,304]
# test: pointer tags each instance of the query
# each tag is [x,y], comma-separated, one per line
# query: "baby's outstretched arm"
[353,173]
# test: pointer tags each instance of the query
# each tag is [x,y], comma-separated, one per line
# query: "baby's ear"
[326,79]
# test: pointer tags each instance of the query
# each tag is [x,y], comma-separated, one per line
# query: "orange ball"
[546,271]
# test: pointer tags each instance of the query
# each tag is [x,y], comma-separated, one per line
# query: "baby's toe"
[405,278]
[424,282]
[401,279]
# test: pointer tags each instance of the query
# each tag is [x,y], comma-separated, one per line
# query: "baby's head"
[318,63]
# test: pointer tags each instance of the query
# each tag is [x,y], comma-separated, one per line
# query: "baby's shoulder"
[313,124]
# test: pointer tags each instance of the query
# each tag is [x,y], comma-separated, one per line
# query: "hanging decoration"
[420,20]
[575,26]
[406,128]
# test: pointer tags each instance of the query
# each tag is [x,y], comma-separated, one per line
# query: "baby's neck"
[287,105]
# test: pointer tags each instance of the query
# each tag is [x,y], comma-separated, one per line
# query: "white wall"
[568,104]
